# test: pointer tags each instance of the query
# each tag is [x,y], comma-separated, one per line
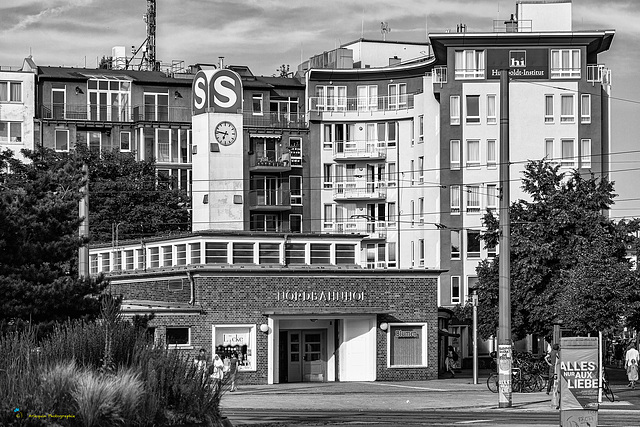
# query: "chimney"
[221,62]
[511,25]
[461,28]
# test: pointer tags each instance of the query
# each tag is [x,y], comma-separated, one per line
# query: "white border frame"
[252,341]
[425,347]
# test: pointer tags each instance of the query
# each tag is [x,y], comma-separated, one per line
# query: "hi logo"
[517,58]
[217,91]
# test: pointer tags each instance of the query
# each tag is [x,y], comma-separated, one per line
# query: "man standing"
[552,359]
[632,354]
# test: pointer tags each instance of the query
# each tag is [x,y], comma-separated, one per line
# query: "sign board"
[216,91]
[579,381]
[235,339]
[521,63]
[505,385]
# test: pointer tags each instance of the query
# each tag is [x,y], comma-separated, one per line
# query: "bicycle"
[606,389]
[518,382]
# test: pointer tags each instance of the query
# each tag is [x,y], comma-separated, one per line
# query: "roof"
[133,306]
[83,74]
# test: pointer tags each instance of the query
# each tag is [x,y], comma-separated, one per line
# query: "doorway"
[303,355]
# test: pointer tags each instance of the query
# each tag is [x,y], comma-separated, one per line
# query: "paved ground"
[455,394]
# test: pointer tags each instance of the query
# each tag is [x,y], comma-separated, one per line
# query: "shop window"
[407,344]
[215,253]
[178,336]
[239,339]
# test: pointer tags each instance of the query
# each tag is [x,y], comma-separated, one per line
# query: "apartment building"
[17,102]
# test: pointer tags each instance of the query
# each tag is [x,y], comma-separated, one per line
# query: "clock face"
[226,133]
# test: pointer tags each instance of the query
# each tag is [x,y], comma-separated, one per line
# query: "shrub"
[58,384]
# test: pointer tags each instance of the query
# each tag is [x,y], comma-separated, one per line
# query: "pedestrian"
[216,370]
[632,354]
[618,354]
[201,361]
[552,359]
[451,361]
[632,373]
[233,370]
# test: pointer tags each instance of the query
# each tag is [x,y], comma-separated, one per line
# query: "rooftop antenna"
[362,25]
[384,29]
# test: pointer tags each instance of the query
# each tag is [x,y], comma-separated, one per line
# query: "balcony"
[439,75]
[270,161]
[275,120]
[270,200]
[361,104]
[353,191]
[598,73]
[359,150]
[105,113]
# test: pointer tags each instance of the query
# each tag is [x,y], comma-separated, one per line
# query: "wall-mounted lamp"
[177,95]
[384,326]
[205,199]
[78,90]
[264,328]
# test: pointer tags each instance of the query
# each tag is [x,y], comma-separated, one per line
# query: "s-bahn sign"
[216,91]
[521,63]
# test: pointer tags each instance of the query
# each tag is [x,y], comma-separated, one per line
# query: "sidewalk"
[456,394]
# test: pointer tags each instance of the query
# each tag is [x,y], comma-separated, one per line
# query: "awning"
[265,135]
[131,307]
[446,333]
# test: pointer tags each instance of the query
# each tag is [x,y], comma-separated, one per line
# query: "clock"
[226,133]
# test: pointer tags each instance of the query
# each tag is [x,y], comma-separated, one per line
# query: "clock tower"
[217,153]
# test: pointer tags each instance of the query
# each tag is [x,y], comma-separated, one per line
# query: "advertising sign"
[579,381]
[504,374]
[521,63]
[218,91]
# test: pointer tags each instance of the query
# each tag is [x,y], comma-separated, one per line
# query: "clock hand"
[219,131]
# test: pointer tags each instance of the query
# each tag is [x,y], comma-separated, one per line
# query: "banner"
[579,379]
[504,375]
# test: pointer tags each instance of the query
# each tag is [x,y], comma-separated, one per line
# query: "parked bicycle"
[606,388]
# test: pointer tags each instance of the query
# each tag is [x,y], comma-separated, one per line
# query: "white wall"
[554,16]
[23,112]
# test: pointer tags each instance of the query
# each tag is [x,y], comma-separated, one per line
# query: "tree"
[39,240]
[567,257]
[126,193]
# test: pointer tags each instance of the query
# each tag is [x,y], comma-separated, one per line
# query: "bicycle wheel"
[608,393]
[492,383]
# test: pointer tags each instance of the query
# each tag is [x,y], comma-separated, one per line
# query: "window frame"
[465,71]
[492,153]
[454,110]
[9,84]
[57,131]
[469,119]
[567,118]
[454,207]
[475,162]
[257,100]
[455,283]
[565,71]
[188,345]
[424,344]
[567,160]
[454,147]
[585,153]
[473,199]
[585,101]
[126,150]
[548,109]
[218,329]
[473,254]
[492,119]
[455,254]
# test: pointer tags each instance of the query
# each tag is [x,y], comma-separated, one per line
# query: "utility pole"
[504,281]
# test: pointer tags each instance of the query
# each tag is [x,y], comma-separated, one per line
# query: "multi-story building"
[405,145]
[17,108]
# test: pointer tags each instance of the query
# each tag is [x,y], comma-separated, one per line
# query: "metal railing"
[598,73]
[359,149]
[271,159]
[107,113]
[352,190]
[270,198]
[275,120]
[361,104]
[439,74]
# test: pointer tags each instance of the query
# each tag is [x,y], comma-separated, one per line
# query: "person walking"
[632,373]
[631,357]
[233,370]
[451,361]
[552,358]
[216,371]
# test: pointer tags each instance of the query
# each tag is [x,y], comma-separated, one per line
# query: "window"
[421,169]
[328,217]
[455,244]
[295,223]
[265,222]
[407,344]
[295,253]
[109,100]
[413,212]
[567,114]
[367,98]
[397,96]
[181,256]
[469,64]
[240,339]
[10,132]
[421,210]
[257,104]
[473,198]
[473,244]
[156,106]
[345,254]
[491,250]
[327,176]
[10,91]
[195,253]
[492,115]
[454,145]
[585,153]
[391,175]
[269,253]
[548,149]
[491,153]
[295,149]
[492,196]
[391,213]
[548,108]
[387,134]
[421,252]
[125,141]
[167,256]
[455,289]
[473,109]
[568,153]
[243,253]
[413,254]
[473,153]
[565,63]
[332,98]
[320,253]
[216,253]
[585,108]
[455,199]
[420,129]
[62,140]
[58,104]
[454,110]
[179,337]
[295,186]
[413,172]
[154,257]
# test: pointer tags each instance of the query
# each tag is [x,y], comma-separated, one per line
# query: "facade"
[295,307]
[17,103]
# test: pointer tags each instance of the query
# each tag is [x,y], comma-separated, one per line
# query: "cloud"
[57,8]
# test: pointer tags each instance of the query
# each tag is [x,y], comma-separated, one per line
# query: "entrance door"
[314,360]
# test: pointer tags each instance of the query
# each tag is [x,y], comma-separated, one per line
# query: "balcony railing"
[374,229]
[598,73]
[270,160]
[275,120]
[439,74]
[355,191]
[107,113]
[352,150]
[361,104]
[270,200]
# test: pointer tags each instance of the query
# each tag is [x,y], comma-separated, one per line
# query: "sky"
[264,34]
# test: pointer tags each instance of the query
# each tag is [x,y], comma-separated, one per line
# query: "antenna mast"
[150,19]
[384,29]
